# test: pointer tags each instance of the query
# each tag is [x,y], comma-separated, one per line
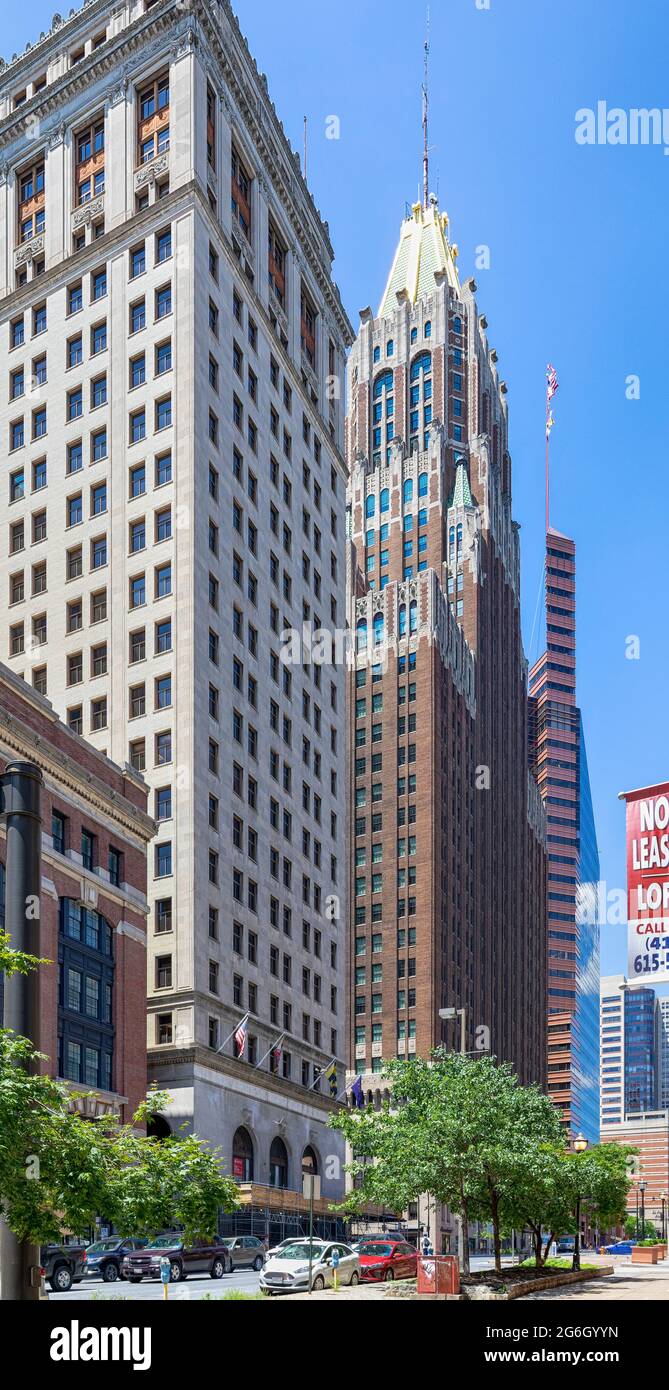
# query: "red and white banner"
[648,883]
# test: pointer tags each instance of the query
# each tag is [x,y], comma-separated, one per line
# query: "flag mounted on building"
[356,1093]
[331,1077]
[241,1036]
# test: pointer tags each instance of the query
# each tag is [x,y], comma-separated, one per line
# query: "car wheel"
[61,1279]
[354,1279]
[257,1263]
[110,1273]
[389,1275]
[217,1269]
[319,1282]
[176,1272]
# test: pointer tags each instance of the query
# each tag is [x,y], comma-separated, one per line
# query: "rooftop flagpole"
[426,50]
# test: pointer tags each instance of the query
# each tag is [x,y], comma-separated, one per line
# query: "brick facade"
[92,795]
[447,880]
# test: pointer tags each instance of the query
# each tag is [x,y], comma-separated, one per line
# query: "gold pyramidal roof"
[423,251]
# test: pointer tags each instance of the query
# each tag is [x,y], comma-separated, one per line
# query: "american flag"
[552,382]
[276,1052]
[241,1035]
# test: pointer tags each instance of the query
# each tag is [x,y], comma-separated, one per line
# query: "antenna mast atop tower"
[426,191]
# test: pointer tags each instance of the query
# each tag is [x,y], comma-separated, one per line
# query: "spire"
[423,252]
[462,494]
[426,190]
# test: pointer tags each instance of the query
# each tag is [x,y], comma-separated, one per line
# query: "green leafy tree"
[551,1182]
[454,1129]
[58,1171]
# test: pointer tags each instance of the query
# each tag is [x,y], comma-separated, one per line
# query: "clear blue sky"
[578,276]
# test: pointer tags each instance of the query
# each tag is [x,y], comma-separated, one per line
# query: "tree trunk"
[494,1209]
[464,1231]
[536,1238]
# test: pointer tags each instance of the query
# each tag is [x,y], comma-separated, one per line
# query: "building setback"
[93,906]
[172,351]
[447,847]
[648,1132]
[559,762]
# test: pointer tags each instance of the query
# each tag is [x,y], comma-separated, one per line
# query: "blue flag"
[356,1092]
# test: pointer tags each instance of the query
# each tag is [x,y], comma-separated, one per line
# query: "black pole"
[20,808]
[643,1213]
[576,1260]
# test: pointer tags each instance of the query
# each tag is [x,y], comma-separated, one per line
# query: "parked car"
[246,1252]
[103,1259]
[387,1259]
[202,1258]
[63,1265]
[288,1272]
[620,1247]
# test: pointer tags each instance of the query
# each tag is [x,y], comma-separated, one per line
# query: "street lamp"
[580,1144]
[663,1199]
[462,1015]
[642,1189]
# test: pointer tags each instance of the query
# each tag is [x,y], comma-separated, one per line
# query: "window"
[153,131]
[240,194]
[89,172]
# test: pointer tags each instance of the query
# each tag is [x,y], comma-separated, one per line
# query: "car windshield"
[101,1245]
[374,1247]
[163,1243]
[300,1251]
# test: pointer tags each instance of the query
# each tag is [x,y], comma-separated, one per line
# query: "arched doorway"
[242,1156]
[278,1164]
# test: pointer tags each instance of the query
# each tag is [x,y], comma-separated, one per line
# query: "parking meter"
[335,1266]
[165,1271]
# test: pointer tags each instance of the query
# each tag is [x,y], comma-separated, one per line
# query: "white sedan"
[288,1270]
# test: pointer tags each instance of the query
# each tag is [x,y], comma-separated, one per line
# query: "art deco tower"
[447,827]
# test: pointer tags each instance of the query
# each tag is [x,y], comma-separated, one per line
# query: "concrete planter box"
[556,1280]
[645,1254]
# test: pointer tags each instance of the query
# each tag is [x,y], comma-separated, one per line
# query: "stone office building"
[448,856]
[172,349]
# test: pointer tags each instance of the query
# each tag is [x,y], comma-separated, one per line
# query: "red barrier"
[438,1274]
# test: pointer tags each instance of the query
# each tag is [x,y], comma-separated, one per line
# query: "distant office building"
[648,1132]
[559,761]
[663,1051]
[632,1044]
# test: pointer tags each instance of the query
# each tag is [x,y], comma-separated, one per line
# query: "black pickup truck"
[63,1265]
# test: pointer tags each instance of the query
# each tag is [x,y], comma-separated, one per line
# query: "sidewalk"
[627,1283]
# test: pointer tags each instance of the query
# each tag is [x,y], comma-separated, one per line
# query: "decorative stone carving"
[151,171]
[26,253]
[120,91]
[57,136]
[82,217]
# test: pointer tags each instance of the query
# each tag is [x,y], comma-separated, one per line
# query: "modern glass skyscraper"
[640,1050]
[558,759]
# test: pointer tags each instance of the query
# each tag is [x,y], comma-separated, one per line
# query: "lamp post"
[663,1199]
[580,1144]
[462,1015]
[642,1189]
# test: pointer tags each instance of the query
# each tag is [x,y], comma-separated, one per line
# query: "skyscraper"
[447,826]
[173,344]
[633,1049]
[559,761]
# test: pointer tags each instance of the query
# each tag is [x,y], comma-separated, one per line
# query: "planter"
[555,1280]
[645,1254]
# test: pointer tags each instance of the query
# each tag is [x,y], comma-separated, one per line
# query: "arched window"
[459,538]
[420,400]
[414,334]
[413,616]
[370,505]
[377,354]
[390,348]
[309,1160]
[451,538]
[428,329]
[385,500]
[457,324]
[383,410]
[361,636]
[378,629]
[407,491]
[422,485]
[242,1156]
[278,1164]
[403,620]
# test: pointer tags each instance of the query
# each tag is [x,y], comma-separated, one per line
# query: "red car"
[385,1258]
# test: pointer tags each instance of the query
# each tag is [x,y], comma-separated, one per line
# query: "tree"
[550,1182]
[59,1171]
[454,1130]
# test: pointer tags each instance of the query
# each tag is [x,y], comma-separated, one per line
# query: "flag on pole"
[356,1092]
[241,1035]
[552,382]
[331,1077]
[549,423]
[276,1053]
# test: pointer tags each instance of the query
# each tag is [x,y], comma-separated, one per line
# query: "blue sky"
[578,276]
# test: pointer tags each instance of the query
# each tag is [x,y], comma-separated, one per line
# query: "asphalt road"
[193,1288]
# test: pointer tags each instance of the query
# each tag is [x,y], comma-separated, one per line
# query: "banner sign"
[648,884]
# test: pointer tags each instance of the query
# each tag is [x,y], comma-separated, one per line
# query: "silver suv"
[246,1252]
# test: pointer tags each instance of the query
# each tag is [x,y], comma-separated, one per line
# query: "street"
[246,1281]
